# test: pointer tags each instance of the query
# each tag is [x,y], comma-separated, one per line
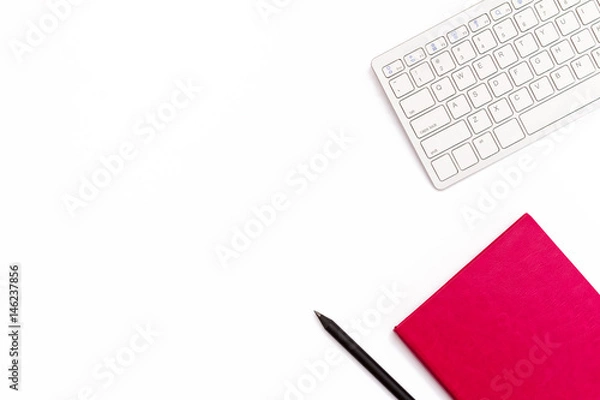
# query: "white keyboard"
[493,79]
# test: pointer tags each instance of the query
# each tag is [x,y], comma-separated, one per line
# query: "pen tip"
[326,322]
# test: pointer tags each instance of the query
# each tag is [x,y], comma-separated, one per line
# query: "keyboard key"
[547,34]
[484,41]
[500,85]
[458,34]
[583,67]
[485,67]
[417,103]
[479,23]
[596,54]
[465,156]
[568,23]
[437,45]
[430,122]
[562,52]
[562,77]
[521,73]
[501,11]
[486,146]
[542,63]
[505,30]
[521,99]
[526,45]
[526,19]
[446,139]
[415,57]
[566,4]
[509,133]
[464,78]
[546,9]
[393,68]
[422,74]
[443,63]
[443,89]
[542,89]
[500,110]
[562,105]
[401,85]
[464,52]
[505,56]
[521,3]
[583,41]
[479,121]
[444,167]
[588,12]
[596,30]
[459,107]
[480,95]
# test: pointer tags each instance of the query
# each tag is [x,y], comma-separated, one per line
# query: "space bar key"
[562,105]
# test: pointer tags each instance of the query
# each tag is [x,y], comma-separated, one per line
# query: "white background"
[144,252]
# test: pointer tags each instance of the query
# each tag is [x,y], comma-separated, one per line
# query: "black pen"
[362,357]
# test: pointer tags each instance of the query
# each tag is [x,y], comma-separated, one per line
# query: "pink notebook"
[518,322]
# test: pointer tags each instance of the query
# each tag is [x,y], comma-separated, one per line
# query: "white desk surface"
[142,253]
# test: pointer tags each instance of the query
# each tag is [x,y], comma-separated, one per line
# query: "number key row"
[506,30]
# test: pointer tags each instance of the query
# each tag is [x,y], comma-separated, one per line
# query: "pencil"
[362,357]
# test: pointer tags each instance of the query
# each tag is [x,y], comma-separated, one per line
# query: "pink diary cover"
[518,322]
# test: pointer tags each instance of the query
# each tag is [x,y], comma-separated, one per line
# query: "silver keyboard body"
[492,80]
